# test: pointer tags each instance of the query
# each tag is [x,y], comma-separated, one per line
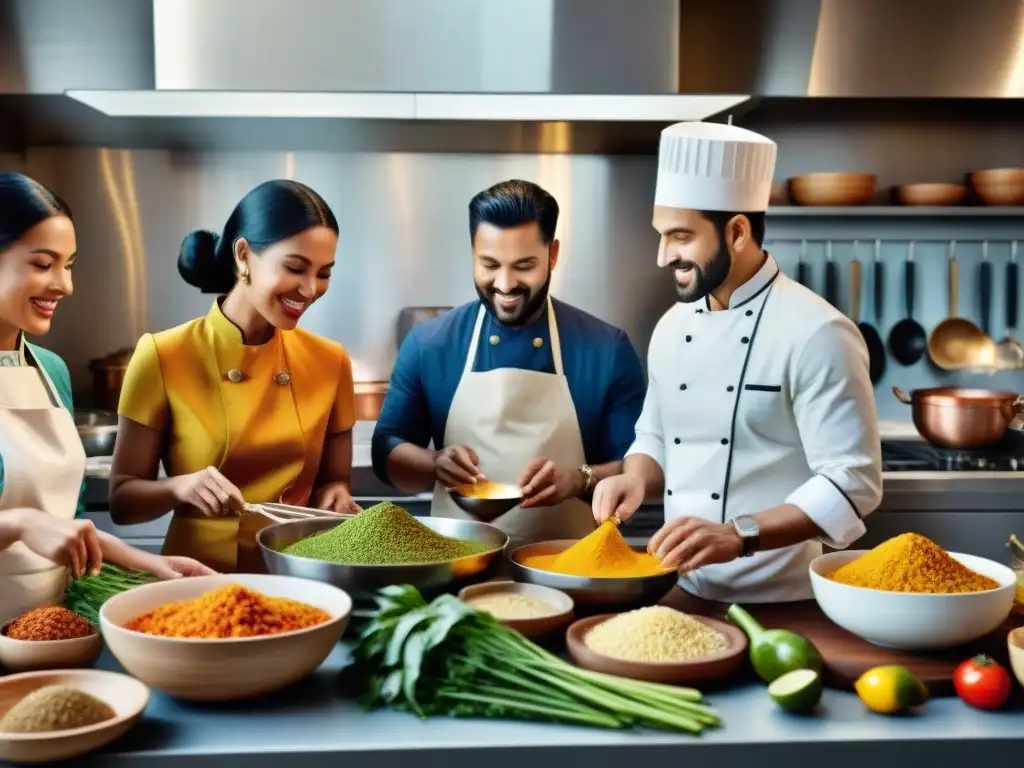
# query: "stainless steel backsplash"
[404,238]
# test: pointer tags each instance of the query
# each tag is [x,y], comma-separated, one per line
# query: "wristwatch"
[749,532]
[588,477]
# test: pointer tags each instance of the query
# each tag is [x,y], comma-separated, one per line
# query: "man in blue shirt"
[515,386]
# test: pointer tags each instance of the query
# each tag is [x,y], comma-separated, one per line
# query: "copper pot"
[108,378]
[369,399]
[961,418]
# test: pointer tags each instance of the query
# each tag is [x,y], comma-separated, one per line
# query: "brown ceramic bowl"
[930,194]
[833,189]
[999,186]
[714,668]
[30,655]
[561,605]
[125,695]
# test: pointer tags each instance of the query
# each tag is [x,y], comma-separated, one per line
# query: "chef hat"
[714,167]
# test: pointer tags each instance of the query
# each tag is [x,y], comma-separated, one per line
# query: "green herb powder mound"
[383,534]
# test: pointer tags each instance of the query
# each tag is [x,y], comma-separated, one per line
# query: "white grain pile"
[655,634]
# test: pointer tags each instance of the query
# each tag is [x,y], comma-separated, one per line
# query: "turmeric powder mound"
[602,554]
[911,563]
[227,612]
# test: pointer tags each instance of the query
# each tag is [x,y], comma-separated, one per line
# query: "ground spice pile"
[229,611]
[911,563]
[384,534]
[655,634]
[603,553]
[50,623]
[508,605]
[55,708]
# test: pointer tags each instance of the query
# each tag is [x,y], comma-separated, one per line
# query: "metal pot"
[369,399]
[98,430]
[961,418]
[108,377]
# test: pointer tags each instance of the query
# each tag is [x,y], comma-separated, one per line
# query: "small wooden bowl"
[561,605]
[930,194]
[125,695]
[31,655]
[998,186]
[1015,645]
[833,189]
[713,668]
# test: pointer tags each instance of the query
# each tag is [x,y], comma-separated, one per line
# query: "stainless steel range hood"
[430,60]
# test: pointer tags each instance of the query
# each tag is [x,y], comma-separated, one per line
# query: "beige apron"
[44,462]
[509,417]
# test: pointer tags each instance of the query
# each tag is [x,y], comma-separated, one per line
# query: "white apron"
[44,462]
[509,417]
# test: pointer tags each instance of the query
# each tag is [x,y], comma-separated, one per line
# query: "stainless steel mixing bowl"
[605,593]
[361,581]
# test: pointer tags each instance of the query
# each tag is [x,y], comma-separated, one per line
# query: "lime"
[890,689]
[797,691]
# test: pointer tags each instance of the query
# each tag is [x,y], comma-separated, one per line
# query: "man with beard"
[759,425]
[514,387]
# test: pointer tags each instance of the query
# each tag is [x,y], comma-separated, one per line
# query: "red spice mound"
[51,623]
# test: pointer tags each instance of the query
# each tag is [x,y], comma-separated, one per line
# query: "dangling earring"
[244,275]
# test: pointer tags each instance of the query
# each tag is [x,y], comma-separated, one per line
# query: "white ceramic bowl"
[908,621]
[223,669]
[24,591]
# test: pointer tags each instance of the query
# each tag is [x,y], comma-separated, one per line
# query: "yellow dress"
[259,413]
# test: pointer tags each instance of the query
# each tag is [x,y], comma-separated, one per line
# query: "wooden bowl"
[1015,645]
[561,605]
[713,668]
[833,189]
[125,695]
[930,194]
[998,186]
[31,655]
[227,669]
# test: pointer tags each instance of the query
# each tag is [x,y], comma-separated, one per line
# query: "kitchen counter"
[309,725]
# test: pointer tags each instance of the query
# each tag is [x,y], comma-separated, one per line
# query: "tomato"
[982,683]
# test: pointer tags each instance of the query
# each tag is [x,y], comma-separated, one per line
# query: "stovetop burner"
[915,456]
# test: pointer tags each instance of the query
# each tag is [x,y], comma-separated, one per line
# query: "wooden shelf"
[895,211]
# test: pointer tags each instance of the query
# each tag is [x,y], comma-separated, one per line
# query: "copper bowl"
[999,186]
[833,189]
[961,418]
[370,397]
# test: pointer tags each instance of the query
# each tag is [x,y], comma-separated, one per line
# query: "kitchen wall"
[405,242]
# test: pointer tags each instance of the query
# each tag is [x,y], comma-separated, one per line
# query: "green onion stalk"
[444,658]
[86,595]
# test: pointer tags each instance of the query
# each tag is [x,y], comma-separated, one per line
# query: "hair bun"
[203,265]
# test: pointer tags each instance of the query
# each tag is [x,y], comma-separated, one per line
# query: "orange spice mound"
[911,563]
[602,554]
[50,623]
[229,611]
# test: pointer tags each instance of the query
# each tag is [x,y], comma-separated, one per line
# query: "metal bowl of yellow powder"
[910,594]
[600,570]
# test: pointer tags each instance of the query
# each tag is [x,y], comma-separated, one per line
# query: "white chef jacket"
[764,403]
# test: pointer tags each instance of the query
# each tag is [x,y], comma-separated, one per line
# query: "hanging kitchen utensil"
[985,288]
[802,275]
[878,283]
[875,345]
[907,339]
[1010,353]
[831,278]
[957,343]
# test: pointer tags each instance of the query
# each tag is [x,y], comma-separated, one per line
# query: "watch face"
[746,526]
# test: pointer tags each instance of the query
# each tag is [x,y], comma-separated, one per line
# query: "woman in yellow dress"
[240,405]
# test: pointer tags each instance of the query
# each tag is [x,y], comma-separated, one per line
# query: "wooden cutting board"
[846,657]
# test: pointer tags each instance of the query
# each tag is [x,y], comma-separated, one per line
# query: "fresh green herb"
[85,595]
[444,658]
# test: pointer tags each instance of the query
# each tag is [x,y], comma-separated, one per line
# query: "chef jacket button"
[678,441]
[235,375]
[494,340]
[682,386]
[700,311]
[689,338]
[730,388]
[750,312]
[538,343]
[282,378]
[745,340]
[725,441]
[669,491]
[715,496]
